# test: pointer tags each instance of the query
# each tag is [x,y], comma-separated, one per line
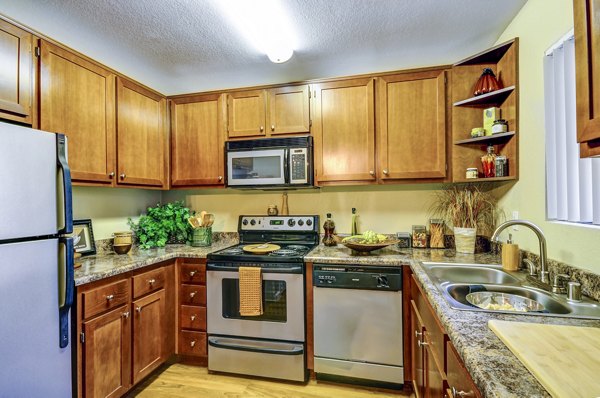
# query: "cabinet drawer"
[105,297]
[192,295]
[192,343]
[458,376]
[192,317]
[148,282]
[192,273]
[433,330]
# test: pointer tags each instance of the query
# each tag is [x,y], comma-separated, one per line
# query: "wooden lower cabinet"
[107,354]
[148,323]
[460,383]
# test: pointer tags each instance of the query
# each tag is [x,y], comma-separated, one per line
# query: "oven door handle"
[287,270]
[228,344]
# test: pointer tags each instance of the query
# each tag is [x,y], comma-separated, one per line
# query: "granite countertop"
[496,371]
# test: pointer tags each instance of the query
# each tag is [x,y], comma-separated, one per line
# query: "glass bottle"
[488,161]
[354,226]
[487,83]
[329,228]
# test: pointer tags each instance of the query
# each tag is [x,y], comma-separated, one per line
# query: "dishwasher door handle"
[237,344]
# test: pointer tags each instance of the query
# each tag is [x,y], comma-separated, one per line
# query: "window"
[572,184]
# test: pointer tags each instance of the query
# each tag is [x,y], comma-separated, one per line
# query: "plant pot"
[464,239]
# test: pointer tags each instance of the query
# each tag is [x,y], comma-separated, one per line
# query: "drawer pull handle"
[192,343]
[193,318]
[138,309]
[461,393]
[110,297]
[152,281]
[418,334]
[192,273]
[126,315]
[421,343]
[192,294]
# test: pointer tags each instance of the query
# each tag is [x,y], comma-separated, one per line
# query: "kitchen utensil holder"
[202,237]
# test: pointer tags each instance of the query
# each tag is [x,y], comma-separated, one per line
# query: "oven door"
[283,305]
[257,167]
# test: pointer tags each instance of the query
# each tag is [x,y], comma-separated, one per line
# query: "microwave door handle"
[286,168]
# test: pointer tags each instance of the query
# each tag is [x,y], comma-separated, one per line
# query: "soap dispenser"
[510,255]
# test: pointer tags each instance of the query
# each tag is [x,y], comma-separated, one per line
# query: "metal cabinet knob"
[220,178]
[421,343]
[262,128]
[272,127]
[110,297]
[192,318]
[111,174]
[372,172]
[461,393]
[192,273]
[152,281]
[418,334]
[192,294]
[192,343]
[138,309]
[386,172]
[123,176]
[126,315]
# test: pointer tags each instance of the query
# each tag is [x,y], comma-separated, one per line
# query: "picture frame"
[82,229]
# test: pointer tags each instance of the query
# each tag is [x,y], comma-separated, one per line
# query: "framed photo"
[84,237]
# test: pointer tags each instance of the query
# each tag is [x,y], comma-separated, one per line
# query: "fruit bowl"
[368,247]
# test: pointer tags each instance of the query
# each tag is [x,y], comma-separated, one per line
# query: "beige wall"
[538,25]
[109,208]
[386,209]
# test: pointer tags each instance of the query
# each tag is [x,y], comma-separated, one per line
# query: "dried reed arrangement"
[466,206]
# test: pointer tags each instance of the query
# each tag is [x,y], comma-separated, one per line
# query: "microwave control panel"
[298,165]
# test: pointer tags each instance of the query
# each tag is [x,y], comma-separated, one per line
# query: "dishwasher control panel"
[357,277]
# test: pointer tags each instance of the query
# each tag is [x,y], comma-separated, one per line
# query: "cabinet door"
[107,355]
[148,329]
[246,113]
[78,99]
[417,329]
[434,376]
[289,110]
[412,125]
[458,377]
[344,131]
[16,80]
[197,136]
[587,68]
[141,135]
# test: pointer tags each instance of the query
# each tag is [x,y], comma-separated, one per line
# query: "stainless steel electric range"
[272,344]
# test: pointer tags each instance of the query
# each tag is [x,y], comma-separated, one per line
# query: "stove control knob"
[245,222]
[382,281]
[291,222]
[309,222]
[300,222]
[253,222]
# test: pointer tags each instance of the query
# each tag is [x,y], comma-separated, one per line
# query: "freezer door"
[33,363]
[28,177]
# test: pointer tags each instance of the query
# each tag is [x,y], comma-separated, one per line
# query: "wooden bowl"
[369,247]
[122,249]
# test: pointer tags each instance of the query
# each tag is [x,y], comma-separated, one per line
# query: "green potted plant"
[469,210]
[162,224]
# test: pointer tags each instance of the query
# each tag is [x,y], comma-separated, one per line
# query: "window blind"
[572,184]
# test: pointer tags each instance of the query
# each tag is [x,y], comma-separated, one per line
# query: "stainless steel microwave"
[270,163]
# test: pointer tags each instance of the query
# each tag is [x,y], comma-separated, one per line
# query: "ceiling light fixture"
[264,23]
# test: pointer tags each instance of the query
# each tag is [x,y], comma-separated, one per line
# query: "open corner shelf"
[485,139]
[483,180]
[490,99]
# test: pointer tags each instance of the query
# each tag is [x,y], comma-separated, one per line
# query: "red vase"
[487,83]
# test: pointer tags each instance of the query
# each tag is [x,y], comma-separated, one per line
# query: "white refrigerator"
[36,264]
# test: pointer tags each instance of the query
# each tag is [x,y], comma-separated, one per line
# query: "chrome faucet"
[544,274]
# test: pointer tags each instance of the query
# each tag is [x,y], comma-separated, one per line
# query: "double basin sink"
[456,281]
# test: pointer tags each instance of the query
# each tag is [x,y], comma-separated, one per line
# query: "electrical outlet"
[515,216]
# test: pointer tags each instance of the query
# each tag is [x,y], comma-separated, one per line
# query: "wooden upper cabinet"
[16,73]
[344,131]
[197,136]
[107,355]
[412,125]
[141,135]
[288,110]
[246,113]
[148,329]
[587,54]
[77,98]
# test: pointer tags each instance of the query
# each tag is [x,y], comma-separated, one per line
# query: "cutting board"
[564,359]
[261,248]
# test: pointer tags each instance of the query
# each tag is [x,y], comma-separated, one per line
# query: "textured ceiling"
[180,46]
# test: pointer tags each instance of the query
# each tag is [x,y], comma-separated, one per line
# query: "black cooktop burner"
[292,253]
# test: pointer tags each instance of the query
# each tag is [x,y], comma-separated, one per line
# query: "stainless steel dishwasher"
[358,322]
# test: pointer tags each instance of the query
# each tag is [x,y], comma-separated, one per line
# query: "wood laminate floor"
[184,381]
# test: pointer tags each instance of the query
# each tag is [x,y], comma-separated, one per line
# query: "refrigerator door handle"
[66,286]
[65,199]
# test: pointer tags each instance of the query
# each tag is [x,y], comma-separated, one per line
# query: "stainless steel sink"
[455,281]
